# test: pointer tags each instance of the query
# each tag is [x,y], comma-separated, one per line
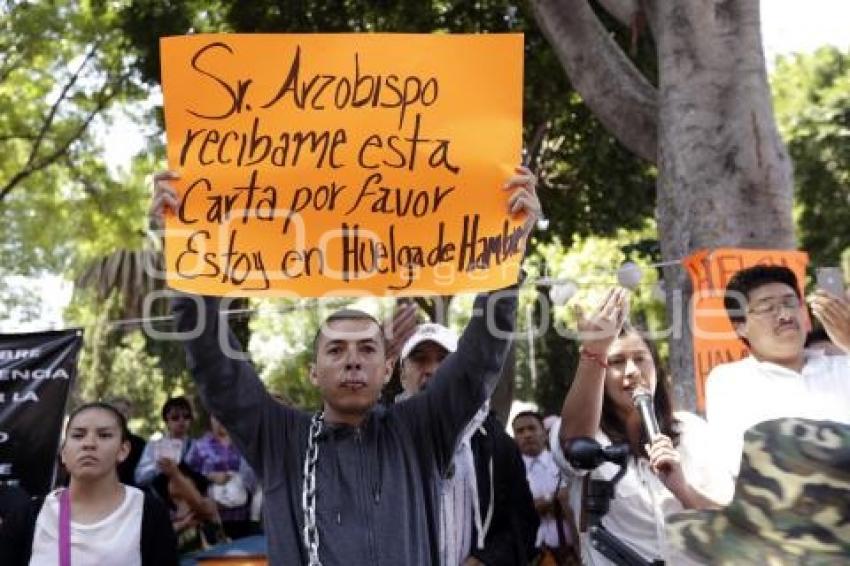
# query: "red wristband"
[599,359]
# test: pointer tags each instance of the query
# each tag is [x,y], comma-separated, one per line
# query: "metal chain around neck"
[308,491]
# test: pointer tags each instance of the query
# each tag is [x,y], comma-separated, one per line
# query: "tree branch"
[9,66]
[54,108]
[51,158]
[621,10]
[536,144]
[78,175]
[15,137]
[611,86]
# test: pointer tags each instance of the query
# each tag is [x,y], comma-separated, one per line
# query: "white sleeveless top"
[115,539]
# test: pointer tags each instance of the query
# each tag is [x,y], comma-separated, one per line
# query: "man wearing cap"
[487,513]
[780,378]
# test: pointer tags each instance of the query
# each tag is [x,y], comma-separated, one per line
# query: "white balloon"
[562,292]
[629,275]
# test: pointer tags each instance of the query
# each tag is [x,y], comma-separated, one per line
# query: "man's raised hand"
[524,199]
[834,314]
[399,328]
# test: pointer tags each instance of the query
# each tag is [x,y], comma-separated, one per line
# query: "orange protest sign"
[715,341]
[342,164]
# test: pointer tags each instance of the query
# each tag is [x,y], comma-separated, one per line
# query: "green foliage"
[118,361]
[144,22]
[114,216]
[18,302]
[592,263]
[61,68]
[546,357]
[812,102]
[590,184]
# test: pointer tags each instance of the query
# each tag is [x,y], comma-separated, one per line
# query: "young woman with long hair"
[664,474]
[97,519]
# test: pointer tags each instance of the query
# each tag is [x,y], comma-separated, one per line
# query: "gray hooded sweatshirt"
[376,484]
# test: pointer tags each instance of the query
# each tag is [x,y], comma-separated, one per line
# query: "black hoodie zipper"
[366,483]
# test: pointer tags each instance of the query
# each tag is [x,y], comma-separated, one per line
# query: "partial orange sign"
[715,341]
[316,165]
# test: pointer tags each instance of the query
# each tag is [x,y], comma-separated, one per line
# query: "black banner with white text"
[36,374]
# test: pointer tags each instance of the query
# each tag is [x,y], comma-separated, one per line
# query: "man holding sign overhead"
[354,483]
[331,168]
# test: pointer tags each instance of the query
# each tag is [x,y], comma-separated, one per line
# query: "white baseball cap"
[431,332]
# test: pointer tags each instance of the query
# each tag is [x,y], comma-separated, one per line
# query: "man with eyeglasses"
[780,378]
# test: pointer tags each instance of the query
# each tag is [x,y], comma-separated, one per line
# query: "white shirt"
[741,394]
[641,502]
[459,504]
[147,469]
[115,539]
[544,479]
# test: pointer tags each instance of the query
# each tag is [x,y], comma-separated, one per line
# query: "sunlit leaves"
[62,64]
[812,101]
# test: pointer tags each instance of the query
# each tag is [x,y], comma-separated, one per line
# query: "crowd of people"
[127,501]
[432,477]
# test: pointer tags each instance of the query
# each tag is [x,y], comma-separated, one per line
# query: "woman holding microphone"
[664,474]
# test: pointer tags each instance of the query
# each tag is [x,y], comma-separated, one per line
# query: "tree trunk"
[620,97]
[725,177]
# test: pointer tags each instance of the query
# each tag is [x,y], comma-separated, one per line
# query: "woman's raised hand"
[597,331]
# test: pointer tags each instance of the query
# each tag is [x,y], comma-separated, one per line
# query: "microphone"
[642,399]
